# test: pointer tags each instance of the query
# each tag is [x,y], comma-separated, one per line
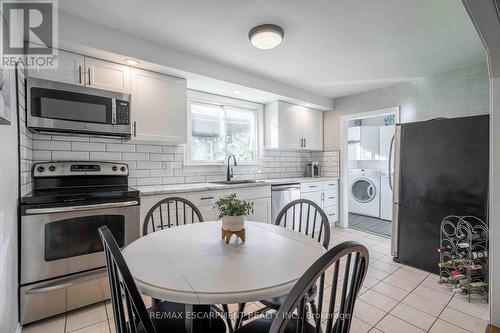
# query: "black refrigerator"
[441,168]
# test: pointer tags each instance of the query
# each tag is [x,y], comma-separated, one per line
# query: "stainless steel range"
[62,263]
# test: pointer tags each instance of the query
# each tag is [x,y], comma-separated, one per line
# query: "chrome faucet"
[229,173]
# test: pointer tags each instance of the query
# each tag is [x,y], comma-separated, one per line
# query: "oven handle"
[64,285]
[80,208]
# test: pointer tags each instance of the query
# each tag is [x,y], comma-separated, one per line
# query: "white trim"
[225,101]
[19,328]
[344,161]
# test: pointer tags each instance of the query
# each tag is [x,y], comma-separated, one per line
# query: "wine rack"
[464,255]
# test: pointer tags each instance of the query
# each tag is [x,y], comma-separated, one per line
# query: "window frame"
[224,102]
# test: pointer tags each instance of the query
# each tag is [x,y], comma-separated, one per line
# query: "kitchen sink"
[226,182]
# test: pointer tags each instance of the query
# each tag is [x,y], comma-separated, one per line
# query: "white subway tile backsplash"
[70,155]
[149,165]
[135,156]
[42,155]
[88,146]
[51,145]
[105,156]
[121,147]
[148,149]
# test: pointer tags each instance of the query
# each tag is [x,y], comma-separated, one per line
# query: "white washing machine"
[364,192]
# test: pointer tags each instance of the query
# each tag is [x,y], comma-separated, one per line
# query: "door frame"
[344,159]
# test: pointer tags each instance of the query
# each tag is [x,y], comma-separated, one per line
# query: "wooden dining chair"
[170,212]
[339,274]
[130,313]
[303,216]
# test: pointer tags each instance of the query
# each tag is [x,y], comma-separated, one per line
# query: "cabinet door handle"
[312,186]
[206,198]
[88,71]
[305,142]
[135,128]
[80,74]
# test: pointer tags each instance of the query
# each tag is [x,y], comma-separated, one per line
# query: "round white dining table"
[192,264]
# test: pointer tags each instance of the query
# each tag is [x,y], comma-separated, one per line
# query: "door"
[59,241]
[290,132]
[107,75]
[316,197]
[312,129]
[159,107]
[209,213]
[261,210]
[70,69]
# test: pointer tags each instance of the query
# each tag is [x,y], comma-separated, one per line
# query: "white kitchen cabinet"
[107,75]
[316,197]
[290,126]
[312,129]
[70,69]
[369,143]
[386,133]
[261,211]
[159,107]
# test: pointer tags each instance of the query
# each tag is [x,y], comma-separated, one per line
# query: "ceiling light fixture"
[266,36]
[132,62]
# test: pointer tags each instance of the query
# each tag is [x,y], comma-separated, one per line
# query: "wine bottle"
[479,254]
[455,263]
[444,249]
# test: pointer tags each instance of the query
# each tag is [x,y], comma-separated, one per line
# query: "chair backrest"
[128,307]
[170,212]
[345,284]
[307,217]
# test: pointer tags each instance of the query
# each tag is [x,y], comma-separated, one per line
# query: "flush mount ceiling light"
[266,36]
[131,62]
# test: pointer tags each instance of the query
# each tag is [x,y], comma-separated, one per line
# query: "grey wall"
[458,93]
[8,217]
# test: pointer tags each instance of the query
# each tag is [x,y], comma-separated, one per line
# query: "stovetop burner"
[67,183]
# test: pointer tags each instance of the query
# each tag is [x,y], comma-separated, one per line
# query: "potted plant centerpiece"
[232,211]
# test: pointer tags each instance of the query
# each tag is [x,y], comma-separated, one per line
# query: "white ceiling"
[331,47]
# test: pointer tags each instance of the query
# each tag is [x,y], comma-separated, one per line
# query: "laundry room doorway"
[367,171]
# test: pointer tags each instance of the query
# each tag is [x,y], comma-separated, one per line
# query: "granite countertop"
[198,187]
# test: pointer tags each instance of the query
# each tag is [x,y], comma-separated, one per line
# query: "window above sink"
[218,126]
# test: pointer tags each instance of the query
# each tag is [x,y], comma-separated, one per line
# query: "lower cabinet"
[324,194]
[205,200]
[261,211]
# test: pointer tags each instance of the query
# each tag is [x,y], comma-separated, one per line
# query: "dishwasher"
[282,194]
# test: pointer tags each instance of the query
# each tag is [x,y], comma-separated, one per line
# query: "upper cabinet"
[289,126]
[70,69]
[159,107]
[85,71]
[369,143]
[107,75]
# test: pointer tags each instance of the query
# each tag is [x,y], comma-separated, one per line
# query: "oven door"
[62,107]
[59,241]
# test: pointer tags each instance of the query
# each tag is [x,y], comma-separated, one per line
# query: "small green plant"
[230,205]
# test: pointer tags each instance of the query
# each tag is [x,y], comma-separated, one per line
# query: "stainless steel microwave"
[61,107]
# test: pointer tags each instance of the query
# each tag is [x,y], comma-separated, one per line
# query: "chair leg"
[314,311]
[228,317]
[239,315]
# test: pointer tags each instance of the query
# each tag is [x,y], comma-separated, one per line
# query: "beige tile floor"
[394,298]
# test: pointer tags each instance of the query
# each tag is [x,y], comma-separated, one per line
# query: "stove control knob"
[52,168]
[40,169]
[123,169]
[114,168]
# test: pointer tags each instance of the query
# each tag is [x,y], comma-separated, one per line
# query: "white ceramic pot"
[233,223]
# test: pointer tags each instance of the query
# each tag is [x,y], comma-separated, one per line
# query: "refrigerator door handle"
[390,163]
[395,192]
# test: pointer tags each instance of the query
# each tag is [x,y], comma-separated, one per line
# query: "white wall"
[458,93]
[8,219]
